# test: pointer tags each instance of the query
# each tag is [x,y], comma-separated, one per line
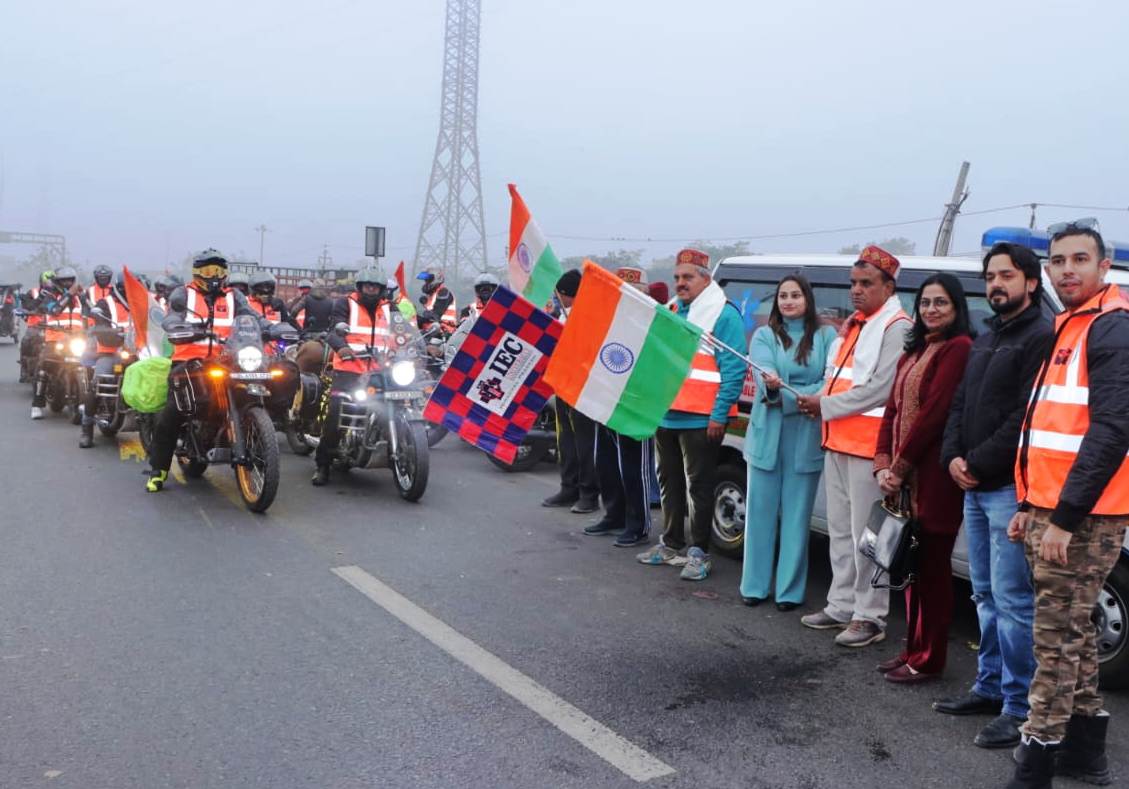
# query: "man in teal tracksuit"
[690,434]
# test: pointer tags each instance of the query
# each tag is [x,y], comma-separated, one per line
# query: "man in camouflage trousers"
[1072,479]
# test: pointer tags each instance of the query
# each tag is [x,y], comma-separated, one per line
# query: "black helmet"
[119,286]
[64,277]
[239,281]
[262,283]
[175,280]
[209,270]
[103,276]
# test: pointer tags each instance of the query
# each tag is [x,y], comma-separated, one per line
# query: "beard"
[1004,307]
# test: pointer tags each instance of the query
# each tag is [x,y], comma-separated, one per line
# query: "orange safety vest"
[1058,414]
[450,316]
[699,391]
[266,310]
[34,318]
[96,293]
[119,318]
[65,323]
[858,434]
[222,314]
[365,333]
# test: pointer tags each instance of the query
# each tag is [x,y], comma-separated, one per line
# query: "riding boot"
[321,476]
[1083,751]
[1034,765]
[87,439]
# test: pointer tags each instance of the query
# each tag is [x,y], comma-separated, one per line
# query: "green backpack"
[145,385]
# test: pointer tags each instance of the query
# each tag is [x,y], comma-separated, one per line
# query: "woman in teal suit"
[782,448]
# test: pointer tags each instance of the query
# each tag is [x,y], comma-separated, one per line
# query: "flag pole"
[709,339]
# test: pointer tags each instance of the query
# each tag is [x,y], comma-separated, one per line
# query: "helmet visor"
[209,271]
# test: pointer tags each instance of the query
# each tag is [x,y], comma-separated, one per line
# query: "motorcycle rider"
[263,300]
[62,310]
[162,287]
[102,287]
[438,299]
[313,311]
[110,315]
[304,288]
[32,342]
[484,286]
[367,314]
[240,281]
[204,305]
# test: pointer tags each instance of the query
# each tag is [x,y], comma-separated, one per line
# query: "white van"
[750,283]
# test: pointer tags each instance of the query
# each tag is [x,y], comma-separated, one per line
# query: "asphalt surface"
[176,640]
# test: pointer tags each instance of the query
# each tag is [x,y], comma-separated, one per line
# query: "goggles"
[209,271]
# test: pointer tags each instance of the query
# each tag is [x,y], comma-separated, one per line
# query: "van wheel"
[729,510]
[1111,620]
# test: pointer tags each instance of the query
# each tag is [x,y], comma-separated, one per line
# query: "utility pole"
[262,231]
[324,260]
[952,208]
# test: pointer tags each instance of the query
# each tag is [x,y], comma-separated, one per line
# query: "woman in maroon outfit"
[909,450]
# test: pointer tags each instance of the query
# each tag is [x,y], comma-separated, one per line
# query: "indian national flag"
[145,315]
[622,356]
[534,269]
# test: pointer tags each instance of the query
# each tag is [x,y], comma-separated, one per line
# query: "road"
[176,640]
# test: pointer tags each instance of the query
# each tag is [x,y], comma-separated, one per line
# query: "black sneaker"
[601,527]
[968,704]
[1002,732]
[560,499]
[626,540]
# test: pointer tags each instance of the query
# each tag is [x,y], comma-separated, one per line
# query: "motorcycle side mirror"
[341,329]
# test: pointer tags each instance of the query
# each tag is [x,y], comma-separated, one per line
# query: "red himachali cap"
[881,260]
[694,257]
[632,275]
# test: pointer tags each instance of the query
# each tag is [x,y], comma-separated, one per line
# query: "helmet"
[391,286]
[64,277]
[262,283]
[119,286]
[162,286]
[46,277]
[370,276]
[432,281]
[209,270]
[175,280]
[103,276]
[484,286]
[305,284]
[239,281]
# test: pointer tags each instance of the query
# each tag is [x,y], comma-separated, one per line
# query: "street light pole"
[262,231]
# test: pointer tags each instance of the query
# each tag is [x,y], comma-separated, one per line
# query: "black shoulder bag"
[890,541]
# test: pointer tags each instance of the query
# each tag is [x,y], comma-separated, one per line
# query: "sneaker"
[626,540]
[821,620]
[584,506]
[860,634]
[36,412]
[600,528]
[156,481]
[1001,732]
[697,565]
[660,554]
[560,499]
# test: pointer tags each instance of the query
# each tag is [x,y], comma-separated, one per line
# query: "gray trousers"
[851,491]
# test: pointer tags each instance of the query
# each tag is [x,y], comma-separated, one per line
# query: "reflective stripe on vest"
[266,310]
[62,324]
[119,318]
[858,434]
[96,293]
[196,313]
[450,315]
[699,391]
[1058,415]
[364,333]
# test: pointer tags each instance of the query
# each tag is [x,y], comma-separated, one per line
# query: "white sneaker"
[36,412]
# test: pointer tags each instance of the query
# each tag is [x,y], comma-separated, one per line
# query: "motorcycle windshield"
[245,333]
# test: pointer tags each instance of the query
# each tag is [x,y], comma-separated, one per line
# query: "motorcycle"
[381,423]
[111,409]
[310,403]
[225,401]
[9,326]
[62,370]
[540,443]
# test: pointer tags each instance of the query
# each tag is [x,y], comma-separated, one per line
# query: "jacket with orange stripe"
[730,329]
[1101,453]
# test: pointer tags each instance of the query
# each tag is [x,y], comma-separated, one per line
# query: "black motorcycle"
[63,374]
[539,444]
[110,410]
[381,423]
[225,399]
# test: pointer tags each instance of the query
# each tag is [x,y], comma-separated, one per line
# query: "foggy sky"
[143,131]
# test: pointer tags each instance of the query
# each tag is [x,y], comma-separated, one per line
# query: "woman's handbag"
[890,541]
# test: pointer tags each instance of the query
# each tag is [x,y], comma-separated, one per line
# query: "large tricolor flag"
[494,388]
[622,356]
[534,268]
[146,315]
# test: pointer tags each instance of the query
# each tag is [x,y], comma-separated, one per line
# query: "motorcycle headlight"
[403,373]
[78,346]
[360,395]
[58,346]
[123,354]
[250,359]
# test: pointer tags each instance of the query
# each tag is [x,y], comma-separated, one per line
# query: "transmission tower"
[452,234]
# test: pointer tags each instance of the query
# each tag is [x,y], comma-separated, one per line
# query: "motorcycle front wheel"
[258,481]
[435,434]
[412,462]
[111,429]
[296,439]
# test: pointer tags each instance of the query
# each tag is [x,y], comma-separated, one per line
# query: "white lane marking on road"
[593,735]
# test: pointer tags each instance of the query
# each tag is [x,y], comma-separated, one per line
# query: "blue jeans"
[1005,600]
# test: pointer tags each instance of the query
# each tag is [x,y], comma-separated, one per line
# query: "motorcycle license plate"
[118,369]
[400,395]
[250,376]
[71,359]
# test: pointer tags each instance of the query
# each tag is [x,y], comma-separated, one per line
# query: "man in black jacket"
[979,450]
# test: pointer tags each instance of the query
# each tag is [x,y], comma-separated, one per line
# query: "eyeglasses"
[1085,223]
[940,303]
